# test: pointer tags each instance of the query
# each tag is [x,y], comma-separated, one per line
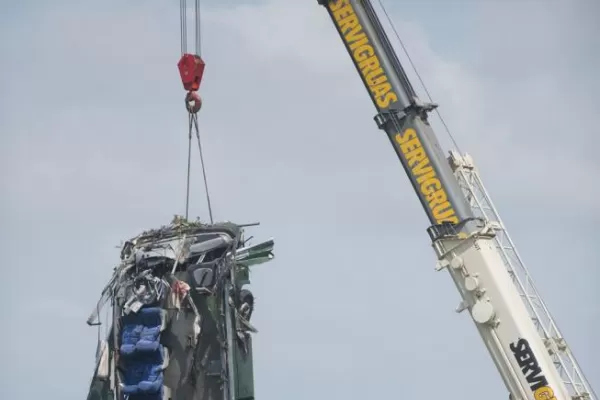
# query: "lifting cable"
[191,69]
[414,68]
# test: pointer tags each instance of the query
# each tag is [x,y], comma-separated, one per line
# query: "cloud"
[94,144]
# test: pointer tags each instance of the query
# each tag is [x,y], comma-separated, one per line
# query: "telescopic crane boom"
[467,234]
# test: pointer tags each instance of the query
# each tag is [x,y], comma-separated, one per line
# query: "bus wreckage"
[180,325]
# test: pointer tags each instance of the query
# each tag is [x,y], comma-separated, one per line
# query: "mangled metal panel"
[180,326]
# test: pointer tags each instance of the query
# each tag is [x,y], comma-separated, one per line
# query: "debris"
[167,300]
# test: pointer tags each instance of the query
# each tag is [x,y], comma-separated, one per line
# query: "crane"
[467,234]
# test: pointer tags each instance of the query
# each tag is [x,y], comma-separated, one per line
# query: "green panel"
[244,384]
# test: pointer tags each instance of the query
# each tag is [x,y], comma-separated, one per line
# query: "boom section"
[400,113]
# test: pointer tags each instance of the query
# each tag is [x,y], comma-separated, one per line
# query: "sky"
[93,150]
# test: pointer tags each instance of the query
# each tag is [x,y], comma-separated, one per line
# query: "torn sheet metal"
[180,326]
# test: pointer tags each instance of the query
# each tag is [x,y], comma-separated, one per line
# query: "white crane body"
[498,312]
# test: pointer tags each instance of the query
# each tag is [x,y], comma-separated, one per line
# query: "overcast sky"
[93,149]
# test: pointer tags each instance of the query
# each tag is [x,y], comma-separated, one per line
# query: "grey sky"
[93,149]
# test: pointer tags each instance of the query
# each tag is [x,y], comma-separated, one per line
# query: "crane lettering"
[531,370]
[430,186]
[363,53]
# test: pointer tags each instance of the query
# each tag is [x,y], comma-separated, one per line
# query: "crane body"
[532,357]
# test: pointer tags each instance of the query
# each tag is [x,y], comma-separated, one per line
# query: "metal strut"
[191,69]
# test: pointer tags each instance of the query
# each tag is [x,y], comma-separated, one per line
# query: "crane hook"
[193,102]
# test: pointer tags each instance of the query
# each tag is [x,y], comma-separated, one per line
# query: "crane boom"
[534,362]
[401,115]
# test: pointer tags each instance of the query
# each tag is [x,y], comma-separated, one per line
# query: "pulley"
[191,69]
